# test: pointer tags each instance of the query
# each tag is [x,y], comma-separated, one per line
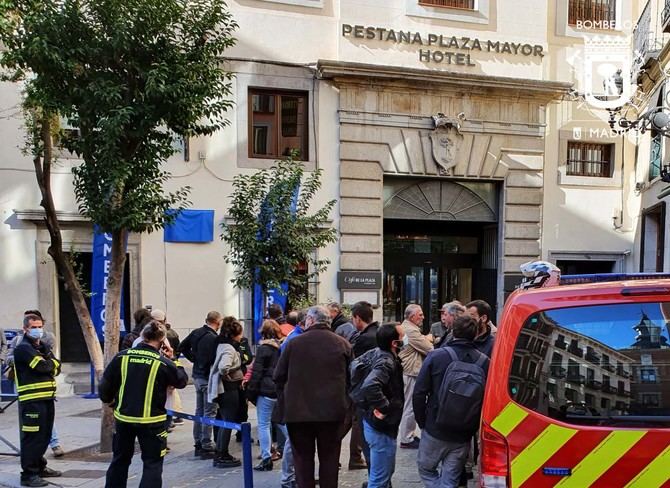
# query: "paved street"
[78,423]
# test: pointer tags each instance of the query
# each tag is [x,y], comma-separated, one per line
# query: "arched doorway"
[440,244]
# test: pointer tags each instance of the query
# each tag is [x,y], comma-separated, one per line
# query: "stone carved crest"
[446,140]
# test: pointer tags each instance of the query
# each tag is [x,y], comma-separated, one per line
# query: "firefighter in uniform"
[135,384]
[35,372]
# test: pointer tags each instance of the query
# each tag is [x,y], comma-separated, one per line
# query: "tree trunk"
[63,263]
[112,323]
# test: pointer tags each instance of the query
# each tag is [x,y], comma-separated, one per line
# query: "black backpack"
[461,393]
[359,370]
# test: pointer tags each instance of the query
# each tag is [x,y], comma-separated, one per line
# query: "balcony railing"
[609,388]
[602,13]
[558,372]
[592,357]
[622,372]
[576,350]
[609,367]
[594,384]
[642,35]
[665,17]
[465,4]
[559,344]
[576,378]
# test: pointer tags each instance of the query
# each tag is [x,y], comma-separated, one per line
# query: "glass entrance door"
[427,285]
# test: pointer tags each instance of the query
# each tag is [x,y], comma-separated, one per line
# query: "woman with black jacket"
[261,388]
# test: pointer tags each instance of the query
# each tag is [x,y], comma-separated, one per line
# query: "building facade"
[452,133]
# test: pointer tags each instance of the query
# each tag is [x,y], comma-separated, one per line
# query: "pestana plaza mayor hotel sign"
[437,48]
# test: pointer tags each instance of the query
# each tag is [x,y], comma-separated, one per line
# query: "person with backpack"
[447,404]
[382,399]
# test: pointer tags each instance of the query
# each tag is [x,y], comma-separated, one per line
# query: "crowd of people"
[316,375]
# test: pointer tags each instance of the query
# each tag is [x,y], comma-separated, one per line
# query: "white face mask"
[36,333]
[405,340]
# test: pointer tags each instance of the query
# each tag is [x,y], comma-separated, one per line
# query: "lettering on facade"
[441,49]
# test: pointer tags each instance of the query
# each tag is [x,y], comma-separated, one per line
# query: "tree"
[132,76]
[273,231]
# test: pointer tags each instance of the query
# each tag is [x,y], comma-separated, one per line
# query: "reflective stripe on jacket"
[36,369]
[136,381]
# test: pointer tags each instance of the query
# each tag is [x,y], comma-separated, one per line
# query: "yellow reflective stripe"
[124,374]
[163,452]
[35,386]
[30,428]
[538,452]
[602,458]
[177,363]
[140,420]
[35,360]
[511,416]
[56,364]
[41,394]
[655,474]
[149,394]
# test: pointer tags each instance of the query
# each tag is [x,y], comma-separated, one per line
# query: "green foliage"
[132,76]
[267,239]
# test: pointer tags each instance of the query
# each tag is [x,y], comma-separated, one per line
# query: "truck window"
[606,365]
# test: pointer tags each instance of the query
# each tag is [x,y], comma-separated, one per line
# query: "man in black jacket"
[486,331]
[199,347]
[383,390]
[448,448]
[361,317]
[337,318]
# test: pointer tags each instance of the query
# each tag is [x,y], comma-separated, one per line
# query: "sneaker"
[209,446]
[58,451]
[50,473]
[410,445]
[34,481]
[178,421]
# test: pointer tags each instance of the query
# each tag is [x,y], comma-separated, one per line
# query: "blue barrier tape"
[244,428]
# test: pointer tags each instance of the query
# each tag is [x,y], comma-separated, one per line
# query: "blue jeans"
[54,442]
[264,407]
[202,434]
[287,468]
[382,456]
[450,455]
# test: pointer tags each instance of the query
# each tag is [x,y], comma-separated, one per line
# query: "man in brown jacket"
[417,346]
[312,378]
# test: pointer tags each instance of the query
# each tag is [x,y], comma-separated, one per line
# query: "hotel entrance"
[433,261]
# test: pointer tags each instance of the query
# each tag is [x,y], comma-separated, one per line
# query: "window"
[648,375]
[466,4]
[277,124]
[589,159]
[626,337]
[601,13]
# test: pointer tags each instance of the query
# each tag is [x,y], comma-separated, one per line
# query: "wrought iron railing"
[601,13]
[465,4]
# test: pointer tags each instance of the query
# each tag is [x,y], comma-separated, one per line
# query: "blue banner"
[274,295]
[102,259]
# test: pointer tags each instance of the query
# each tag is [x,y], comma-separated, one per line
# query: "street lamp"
[657,118]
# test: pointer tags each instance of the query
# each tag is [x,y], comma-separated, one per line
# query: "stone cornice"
[37,215]
[520,87]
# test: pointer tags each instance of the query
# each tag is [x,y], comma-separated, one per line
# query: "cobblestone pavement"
[78,424]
